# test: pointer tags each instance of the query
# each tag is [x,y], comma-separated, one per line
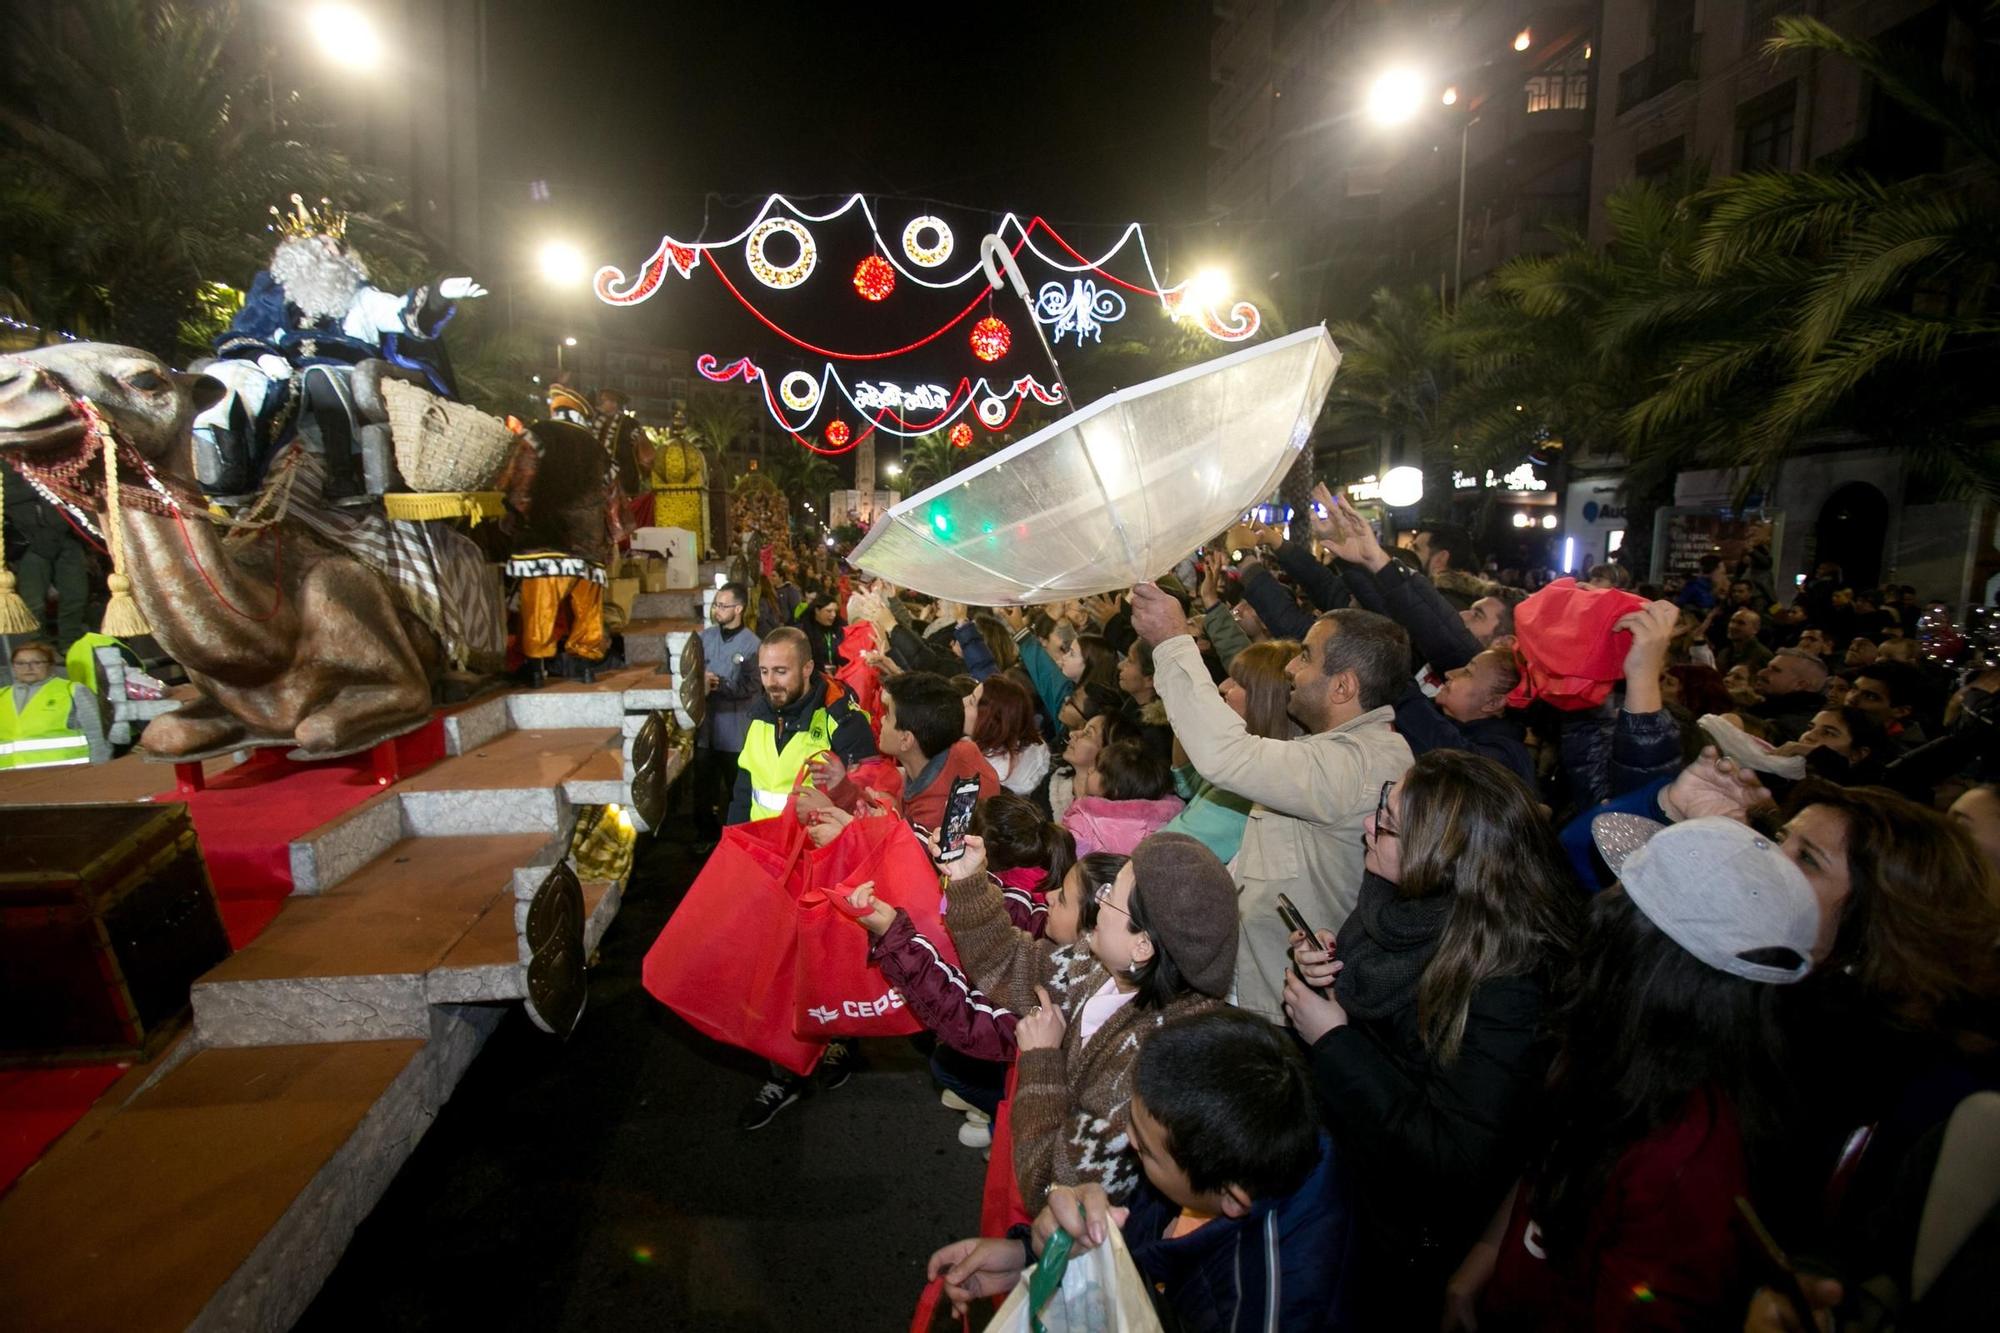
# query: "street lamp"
[1395,96]
[346,36]
[566,342]
[561,264]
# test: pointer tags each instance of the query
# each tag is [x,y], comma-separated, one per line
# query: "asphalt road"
[602,1183]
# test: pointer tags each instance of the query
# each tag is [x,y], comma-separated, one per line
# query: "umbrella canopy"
[1116,493]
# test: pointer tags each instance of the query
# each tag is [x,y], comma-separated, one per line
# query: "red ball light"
[961,435]
[836,433]
[874,278]
[991,338]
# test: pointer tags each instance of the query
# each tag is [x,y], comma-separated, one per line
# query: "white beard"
[322,283]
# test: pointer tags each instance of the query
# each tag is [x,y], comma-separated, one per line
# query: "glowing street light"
[1450,97]
[1523,39]
[569,342]
[346,36]
[562,265]
[1402,487]
[1209,287]
[1395,96]
[892,469]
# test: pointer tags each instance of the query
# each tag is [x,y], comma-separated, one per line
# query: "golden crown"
[305,220]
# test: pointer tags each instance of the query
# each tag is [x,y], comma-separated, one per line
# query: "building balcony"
[1674,62]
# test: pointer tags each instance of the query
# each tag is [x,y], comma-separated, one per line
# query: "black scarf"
[1385,945]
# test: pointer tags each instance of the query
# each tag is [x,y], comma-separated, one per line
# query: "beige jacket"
[1304,834]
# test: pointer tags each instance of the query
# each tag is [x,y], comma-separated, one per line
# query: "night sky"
[646,118]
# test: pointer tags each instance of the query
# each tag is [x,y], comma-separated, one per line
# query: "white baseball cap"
[1719,889]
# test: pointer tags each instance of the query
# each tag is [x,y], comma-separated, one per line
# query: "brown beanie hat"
[1189,903]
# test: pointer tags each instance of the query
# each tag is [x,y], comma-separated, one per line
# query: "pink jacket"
[1099,825]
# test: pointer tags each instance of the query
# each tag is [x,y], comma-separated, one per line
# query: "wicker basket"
[440,445]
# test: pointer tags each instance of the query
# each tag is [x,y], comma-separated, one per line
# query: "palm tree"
[136,164]
[803,478]
[931,458]
[718,418]
[1880,296]
[1395,370]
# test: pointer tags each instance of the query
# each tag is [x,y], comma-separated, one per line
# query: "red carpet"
[38,1105]
[247,819]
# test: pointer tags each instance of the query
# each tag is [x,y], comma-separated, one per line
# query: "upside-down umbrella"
[1116,493]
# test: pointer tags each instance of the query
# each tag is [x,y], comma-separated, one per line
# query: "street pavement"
[602,1183]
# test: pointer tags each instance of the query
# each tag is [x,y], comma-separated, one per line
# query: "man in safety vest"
[46,719]
[798,717]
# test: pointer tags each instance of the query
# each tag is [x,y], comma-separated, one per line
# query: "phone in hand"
[957,818]
[1783,1277]
[1295,920]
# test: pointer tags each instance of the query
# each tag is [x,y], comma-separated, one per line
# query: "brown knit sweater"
[1070,1103]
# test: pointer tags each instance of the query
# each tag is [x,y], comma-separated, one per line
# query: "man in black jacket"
[1470,713]
[1793,684]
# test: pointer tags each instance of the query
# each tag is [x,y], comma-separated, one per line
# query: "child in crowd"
[1087,736]
[923,730]
[1128,794]
[1256,690]
[1164,945]
[1025,853]
[1000,720]
[1241,1220]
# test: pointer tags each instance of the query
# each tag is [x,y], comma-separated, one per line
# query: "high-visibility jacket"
[773,772]
[40,734]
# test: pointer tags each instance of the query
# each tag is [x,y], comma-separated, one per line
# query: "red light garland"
[837,432]
[961,435]
[991,338]
[874,278]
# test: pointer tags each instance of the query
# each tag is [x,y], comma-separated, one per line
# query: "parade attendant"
[922,730]
[798,718]
[46,720]
[730,651]
[631,453]
[548,580]
[46,555]
[80,663]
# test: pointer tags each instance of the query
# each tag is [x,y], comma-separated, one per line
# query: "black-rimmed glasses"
[1383,828]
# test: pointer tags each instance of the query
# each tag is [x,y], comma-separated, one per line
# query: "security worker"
[45,719]
[80,663]
[797,718]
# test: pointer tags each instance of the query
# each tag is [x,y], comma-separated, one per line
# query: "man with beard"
[731,652]
[1303,838]
[797,718]
[308,318]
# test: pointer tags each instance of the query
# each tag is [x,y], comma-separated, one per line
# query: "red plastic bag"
[1564,643]
[862,680]
[725,960]
[837,992]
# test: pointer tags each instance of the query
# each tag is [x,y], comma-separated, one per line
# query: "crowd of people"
[1377,946]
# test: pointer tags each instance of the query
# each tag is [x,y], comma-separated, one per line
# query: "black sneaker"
[838,1064]
[776,1094]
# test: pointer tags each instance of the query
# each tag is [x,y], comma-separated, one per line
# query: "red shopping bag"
[1000,1203]
[726,958]
[836,991]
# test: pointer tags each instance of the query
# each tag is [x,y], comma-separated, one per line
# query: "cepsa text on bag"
[887,1002]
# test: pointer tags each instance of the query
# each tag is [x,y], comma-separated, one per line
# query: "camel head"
[149,404]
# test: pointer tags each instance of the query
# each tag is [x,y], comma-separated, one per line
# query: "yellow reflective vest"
[773,771]
[40,734]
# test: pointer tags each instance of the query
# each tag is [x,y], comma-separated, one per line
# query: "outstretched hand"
[1350,536]
[1156,616]
[460,289]
[876,915]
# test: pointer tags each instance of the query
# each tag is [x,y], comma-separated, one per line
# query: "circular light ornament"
[874,278]
[837,433]
[960,436]
[936,251]
[799,390]
[1402,487]
[991,338]
[774,275]
[992,411]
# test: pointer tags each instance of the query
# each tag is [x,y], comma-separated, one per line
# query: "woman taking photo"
[1428,1046]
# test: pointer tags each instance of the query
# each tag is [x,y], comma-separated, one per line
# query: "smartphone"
[957,818]
[1784,1277]
[1295,920]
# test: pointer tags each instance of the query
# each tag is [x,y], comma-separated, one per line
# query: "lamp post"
[566,342]
[1396,96]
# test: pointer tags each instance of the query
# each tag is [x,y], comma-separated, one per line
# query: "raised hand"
[1156,617]
[460,289]
[1713,785]
[1352,538]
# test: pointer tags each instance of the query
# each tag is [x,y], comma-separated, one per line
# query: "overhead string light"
[925,244]
[899,408]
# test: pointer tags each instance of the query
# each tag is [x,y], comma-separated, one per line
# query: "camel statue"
[289,640]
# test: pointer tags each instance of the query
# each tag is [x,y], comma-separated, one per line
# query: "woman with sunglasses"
[1428,1042]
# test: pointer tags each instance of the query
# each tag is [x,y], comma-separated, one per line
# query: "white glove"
[460,289]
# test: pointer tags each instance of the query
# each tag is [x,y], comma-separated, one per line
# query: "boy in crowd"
[1242,1218]
[923,730]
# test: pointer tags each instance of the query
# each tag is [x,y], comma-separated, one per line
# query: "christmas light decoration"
[889,406]
[837,432]
[1082,310]
[613,288]
[800,391]
[775,275]
[960,436]
[933,254]
[874,278]
[991,338]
